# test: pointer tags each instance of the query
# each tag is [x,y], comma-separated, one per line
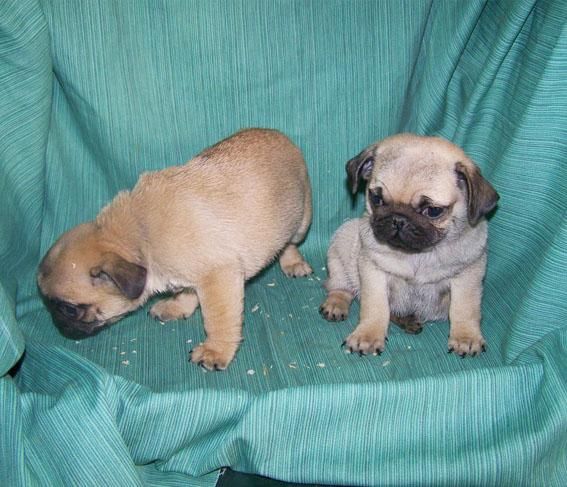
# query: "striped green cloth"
[94,92]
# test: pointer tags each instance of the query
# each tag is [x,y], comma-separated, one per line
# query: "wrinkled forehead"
[409,174]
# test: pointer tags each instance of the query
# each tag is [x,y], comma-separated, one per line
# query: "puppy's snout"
[399,222]
[68,317]
[70,311]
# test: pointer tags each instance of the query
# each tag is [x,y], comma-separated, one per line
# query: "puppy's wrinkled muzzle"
[75,329]
[399,232]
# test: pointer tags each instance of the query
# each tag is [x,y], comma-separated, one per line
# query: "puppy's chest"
[426,302]
[418,269]
[419,287]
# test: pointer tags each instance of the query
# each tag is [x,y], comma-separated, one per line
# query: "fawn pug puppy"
[199,231]
[419,252]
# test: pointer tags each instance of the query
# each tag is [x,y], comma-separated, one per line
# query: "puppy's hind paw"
[293,264]
[165,311]
[178,307]
[298,269]
[333,311]
[336,306]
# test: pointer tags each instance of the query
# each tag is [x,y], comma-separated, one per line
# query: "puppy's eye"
[433,211]
[376,198]
[70,311]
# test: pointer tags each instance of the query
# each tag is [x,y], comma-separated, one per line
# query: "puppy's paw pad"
[212,357]
[365,342]
[334,309]
[466,344]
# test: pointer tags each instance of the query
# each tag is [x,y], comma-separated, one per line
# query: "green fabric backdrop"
[94,92]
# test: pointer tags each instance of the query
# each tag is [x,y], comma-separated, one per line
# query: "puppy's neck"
[124,231]
[121,229]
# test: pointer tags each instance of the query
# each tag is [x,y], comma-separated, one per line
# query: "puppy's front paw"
[212,355]
[366,341]
[464,344]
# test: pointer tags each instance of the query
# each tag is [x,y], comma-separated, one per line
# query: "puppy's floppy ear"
[481,196]
[128,277]
[359,167]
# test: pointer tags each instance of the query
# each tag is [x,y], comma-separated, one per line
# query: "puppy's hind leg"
[291,261]
[178,307]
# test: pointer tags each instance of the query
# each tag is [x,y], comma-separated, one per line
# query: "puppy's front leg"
[371,333]
[221,294]
[465,337]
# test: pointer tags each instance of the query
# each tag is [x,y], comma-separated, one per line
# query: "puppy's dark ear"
[481,196]
[128,277]
[359,167]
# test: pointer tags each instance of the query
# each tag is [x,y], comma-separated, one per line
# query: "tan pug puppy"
[419,252]
[198,231]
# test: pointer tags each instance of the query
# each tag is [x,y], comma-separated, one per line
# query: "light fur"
[199,230]
[442,281]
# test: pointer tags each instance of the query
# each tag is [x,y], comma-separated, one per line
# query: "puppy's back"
[250,192]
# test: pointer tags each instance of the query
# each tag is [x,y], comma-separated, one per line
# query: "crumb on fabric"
[125,362]
[255,308]
[250,371]
[292,365]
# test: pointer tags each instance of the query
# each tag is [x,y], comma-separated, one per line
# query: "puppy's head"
[87,284]
[420,191]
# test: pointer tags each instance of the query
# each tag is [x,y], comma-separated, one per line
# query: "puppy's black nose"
[399,221]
